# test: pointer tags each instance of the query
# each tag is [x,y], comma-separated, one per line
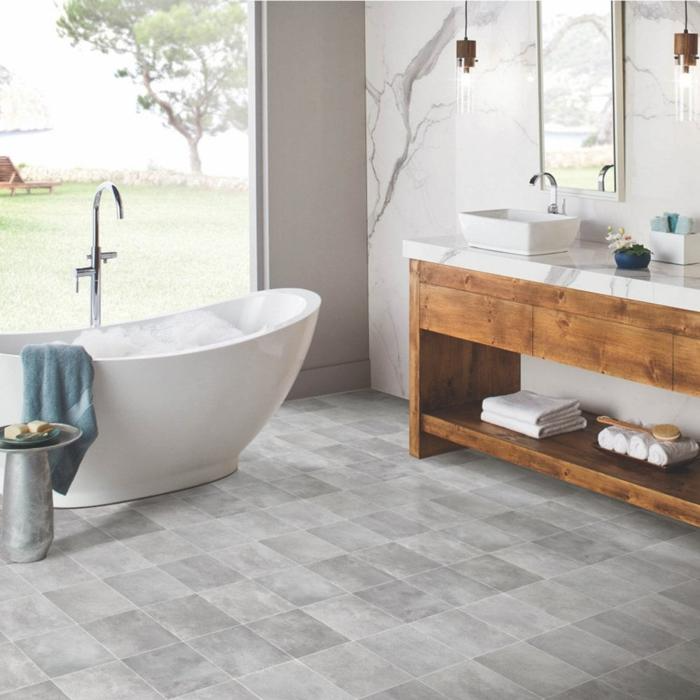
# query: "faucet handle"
[81,272]
[107,256]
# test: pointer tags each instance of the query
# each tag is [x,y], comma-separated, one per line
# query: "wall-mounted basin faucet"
[97,257]
[553,207]
[601,176]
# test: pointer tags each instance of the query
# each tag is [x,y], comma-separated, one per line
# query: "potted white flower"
[629,254]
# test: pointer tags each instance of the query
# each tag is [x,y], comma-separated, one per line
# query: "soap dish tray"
[633,461]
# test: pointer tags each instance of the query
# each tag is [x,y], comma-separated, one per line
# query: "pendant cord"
[466,10]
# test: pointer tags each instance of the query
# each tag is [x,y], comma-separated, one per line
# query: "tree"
[189,57]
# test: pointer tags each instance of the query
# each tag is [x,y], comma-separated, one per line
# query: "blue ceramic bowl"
[625,261]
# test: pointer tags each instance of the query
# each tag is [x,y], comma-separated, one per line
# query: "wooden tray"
[626,459]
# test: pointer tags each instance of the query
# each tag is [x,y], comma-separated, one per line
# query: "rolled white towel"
[621,442]
[663,454]
[606,437]
[529,407]
[532,430]
[639,445]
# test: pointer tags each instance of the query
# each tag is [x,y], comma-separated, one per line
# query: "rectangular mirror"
[581,68]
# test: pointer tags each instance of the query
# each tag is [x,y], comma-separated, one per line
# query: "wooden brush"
[664,432]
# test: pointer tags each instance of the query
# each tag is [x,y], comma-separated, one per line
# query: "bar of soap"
[12,432]
[38,426]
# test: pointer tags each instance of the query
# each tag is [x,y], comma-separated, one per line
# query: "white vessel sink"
[519,231]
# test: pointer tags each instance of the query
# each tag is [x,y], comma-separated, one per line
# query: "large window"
[153,96]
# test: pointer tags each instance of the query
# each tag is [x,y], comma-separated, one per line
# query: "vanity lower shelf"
[574,458]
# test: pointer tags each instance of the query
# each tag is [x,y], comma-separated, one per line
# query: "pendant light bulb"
[685,49]
[466,60]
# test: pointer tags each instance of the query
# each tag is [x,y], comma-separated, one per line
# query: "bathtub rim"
[312,305]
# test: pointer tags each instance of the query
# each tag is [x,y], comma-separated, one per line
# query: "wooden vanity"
[468,331]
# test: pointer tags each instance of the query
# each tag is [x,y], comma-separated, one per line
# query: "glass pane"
[577,91]
[92,90]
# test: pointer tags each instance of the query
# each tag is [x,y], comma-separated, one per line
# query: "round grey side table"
[27,513]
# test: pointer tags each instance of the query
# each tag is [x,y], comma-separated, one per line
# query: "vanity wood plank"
[624,351]
[634,313]
[476,317]
[574,458]
[686,365]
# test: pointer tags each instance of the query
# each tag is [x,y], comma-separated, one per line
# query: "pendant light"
[466,59]
[685,49]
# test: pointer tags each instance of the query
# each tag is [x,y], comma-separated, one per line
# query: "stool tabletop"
[69,434]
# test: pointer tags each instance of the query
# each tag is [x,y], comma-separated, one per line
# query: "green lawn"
[179,247]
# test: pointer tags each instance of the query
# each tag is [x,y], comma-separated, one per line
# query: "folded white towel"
[529,407]
[535,431]
[639,445]
[663,454]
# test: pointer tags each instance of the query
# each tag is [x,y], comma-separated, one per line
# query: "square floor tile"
[297,633]
[113,681]
[304,514]
[16,669]
[238,651]
[246,601]
[396,560]
[413,690]
[176,670]
[126,523]
[109,559]
[350,573]
[217,503]
[259,524]
[496,572]
[390,525]
[539,560]
[451,586]
[88,601]
[685,593]
[147,586]
[559,601]
[681,660]
[666,614]
[201,572]
[349,535]
[522,525]
[300,586]
[583,549]
[40,691]
[440,547]
[403,601]
[190,616]
[253,559]
[647,680]
[232,690]
[71,649]
[30,616]
[302,547]
[351,616]
[356,669]
[129,633]
[211,535]
[305,486]
[482,536]
[56,571]
[162,546]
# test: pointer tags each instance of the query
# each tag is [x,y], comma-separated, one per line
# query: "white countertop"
[587,266]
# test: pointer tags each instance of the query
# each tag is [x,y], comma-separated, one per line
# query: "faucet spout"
[553,207]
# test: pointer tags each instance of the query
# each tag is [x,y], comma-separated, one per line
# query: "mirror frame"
[618,38]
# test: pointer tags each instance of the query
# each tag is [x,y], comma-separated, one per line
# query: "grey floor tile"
[595,504]
[211,535]
[30,616]
[40,691]
[303,547]
[681,660]
[356,669]
[513,616]
[175,670]
[473,681]
[253,559]
[413,690]
[474,506]
[463,633]
[534,669]
[171,512]
[602,585]
[593,690]
[304,514]
[641,573]
[217,503]
[238,651]
[412,650]
[297,633]
[575,546]
[583,650]
[263,495]
[148,586]
[16,669]
[79,535]
[129,633]
[246,601]
[423,487]
[431,514]
[685,593]
[305,486]
[526,527]
[190,616]
[559,601]
[232,690]
[308,440]
[451,586]
[56,571]
[293,681]
[384,495]
[483,536]
[259,524]
[666,614]
[348,535]
[350,573]
[201,572]
[496,573]
[109,559]
[390,525]
[346,504]
[510,495]
[125,524]
[396,560]
[57,653]
[646,680]
[403,601]
[353,617]
[88,601]
[113,681]
[440,547]
[539,560]
[653,526]
[562,516]
[609,531]
[300,586]
[161,547]
[13,585]
[629,633]
[668,556]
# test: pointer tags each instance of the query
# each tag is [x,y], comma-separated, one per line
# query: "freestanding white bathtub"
[173,421]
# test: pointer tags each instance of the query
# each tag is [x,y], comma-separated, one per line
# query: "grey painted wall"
[314,181]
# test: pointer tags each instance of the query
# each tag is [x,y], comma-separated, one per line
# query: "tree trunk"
[195,160]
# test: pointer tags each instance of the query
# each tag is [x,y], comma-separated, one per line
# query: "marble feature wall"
[426,162]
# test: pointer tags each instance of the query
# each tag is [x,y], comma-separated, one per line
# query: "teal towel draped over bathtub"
[58,389]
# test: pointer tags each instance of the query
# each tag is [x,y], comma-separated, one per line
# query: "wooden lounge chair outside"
[10,179]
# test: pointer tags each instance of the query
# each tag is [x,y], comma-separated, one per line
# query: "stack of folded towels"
[533,414]
[643,446]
